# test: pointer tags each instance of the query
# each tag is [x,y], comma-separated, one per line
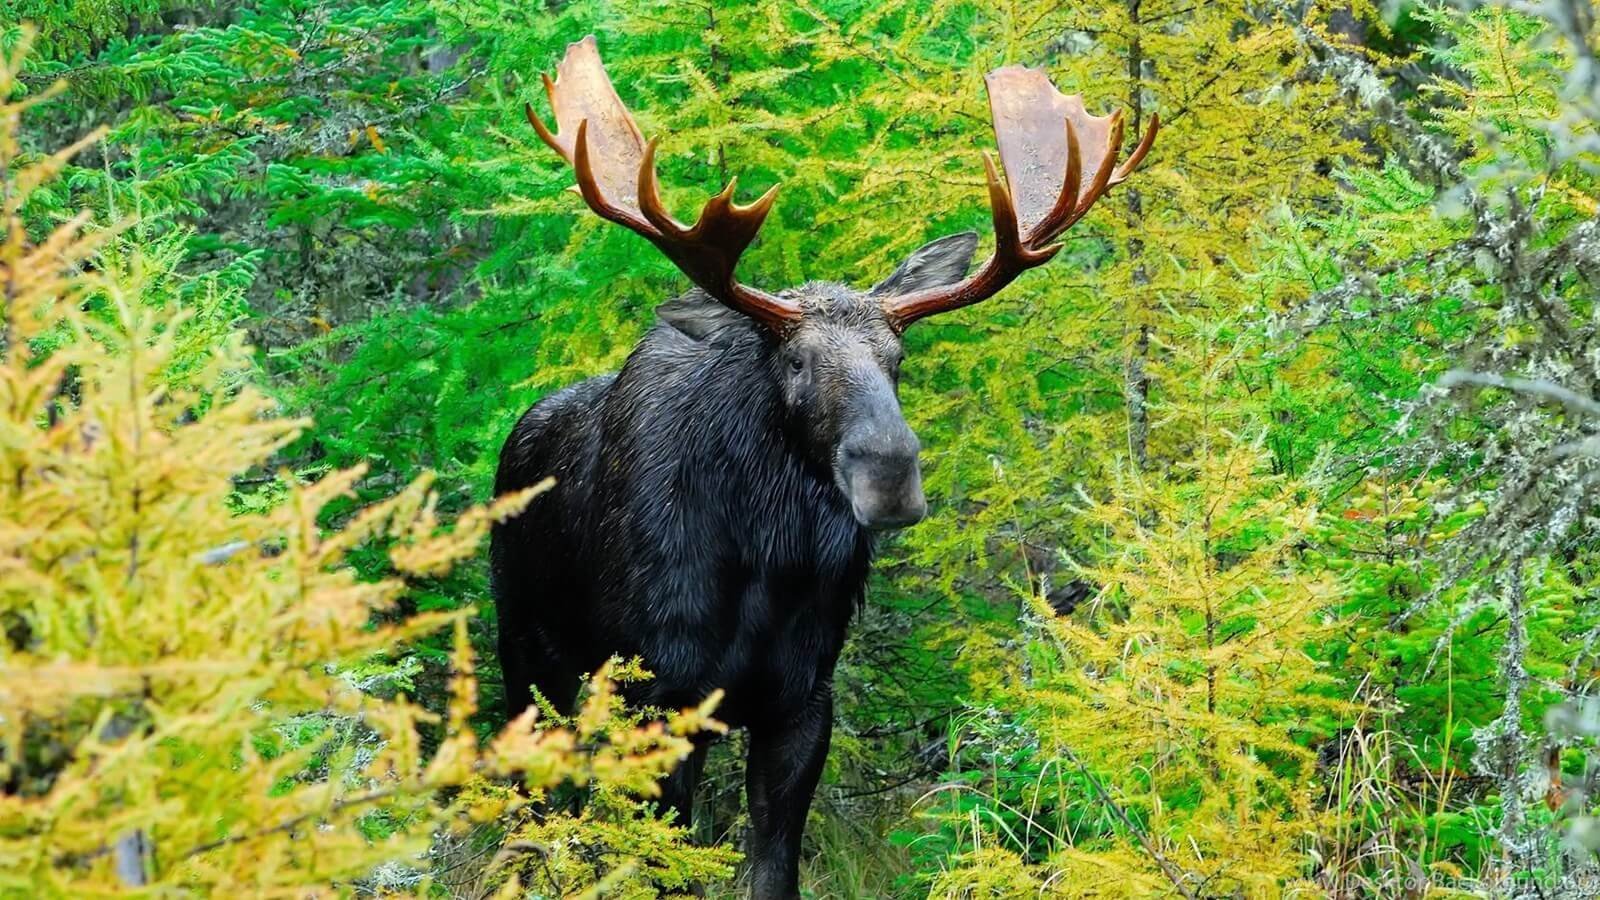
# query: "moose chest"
[759,612]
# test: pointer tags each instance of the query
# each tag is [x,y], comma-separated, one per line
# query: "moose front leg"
[785,761]
[678,788]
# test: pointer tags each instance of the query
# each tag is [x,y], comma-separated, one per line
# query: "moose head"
[835,350]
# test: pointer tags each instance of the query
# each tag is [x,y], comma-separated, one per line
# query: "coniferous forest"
[1261,552]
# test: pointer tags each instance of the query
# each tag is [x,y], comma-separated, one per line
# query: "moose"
[716,500]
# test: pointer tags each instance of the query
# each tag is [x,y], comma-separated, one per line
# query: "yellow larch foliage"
[1188,680]
[157,651]
[1175,710]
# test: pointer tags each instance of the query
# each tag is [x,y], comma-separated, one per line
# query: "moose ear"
[697,315]
[940,262]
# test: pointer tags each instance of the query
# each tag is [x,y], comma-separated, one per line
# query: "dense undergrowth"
[1260,561]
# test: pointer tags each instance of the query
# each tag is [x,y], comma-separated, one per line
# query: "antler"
[1058,161]
[616,172]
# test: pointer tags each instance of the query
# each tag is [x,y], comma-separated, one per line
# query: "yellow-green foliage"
[174,714]
[608,842]
[1169,715]
[1187,681]
[1175,702]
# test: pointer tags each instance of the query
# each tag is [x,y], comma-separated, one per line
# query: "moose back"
[715,500]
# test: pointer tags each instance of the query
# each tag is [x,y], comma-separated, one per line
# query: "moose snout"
[882,478]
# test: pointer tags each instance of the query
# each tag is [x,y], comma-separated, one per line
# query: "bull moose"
[716,499]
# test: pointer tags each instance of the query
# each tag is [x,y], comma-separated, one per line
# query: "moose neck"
[754,476]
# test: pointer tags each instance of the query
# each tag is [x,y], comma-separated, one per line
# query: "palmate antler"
[1058,161]
[617,177]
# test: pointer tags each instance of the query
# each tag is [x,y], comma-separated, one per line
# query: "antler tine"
[589,183]
[650,193]
[616,175]
[1102,175]
[538,124]
[1139,152]
[1007,237]
[723,231]
[1048,142]
[1057,220]
[1012,255]
[721,207]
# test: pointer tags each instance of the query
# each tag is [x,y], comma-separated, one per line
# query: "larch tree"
[198,699]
